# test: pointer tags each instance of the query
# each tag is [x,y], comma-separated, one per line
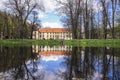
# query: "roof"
[53,30]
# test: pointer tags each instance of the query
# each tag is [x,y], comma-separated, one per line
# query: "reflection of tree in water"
[93,63]
[13,60]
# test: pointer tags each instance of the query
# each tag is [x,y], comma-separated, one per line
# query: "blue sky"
[50,18]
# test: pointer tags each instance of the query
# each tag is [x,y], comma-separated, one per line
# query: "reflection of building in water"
[47,50]
[53,52]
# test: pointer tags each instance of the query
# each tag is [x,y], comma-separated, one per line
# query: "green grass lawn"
[82,42]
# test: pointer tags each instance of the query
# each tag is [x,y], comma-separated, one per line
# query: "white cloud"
[50,5]
[52,24]
[41,15]
[2,7]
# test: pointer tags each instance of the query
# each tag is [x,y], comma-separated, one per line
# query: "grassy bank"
[82,42]
[95,42]
[28,42]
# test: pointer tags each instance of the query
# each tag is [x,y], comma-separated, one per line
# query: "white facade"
[52,35]
[35,35]
[57,35]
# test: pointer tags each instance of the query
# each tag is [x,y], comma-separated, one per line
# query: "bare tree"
[71,8]
[22,9]
[78,16]
[114,4]
[81,17]
[105,17]
[86,24]
[34,22]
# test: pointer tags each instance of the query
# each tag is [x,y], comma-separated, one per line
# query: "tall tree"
[71,8]
[105,17]
[86,24]
[1,25]
[34,22]
[114,4]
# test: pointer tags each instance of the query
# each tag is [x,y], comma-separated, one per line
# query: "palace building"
[52,33]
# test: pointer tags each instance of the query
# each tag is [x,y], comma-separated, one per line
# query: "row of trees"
[10,27]
[14,21]
[86,18]
[91,18]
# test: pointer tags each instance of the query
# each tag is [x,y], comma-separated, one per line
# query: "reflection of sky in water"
[49,66]
[53,63]
[99,68]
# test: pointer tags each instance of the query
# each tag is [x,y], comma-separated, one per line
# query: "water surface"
[59,63]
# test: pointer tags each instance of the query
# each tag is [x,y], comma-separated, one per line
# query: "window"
[67,35]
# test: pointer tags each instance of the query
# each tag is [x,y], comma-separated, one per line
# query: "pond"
[59,63]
